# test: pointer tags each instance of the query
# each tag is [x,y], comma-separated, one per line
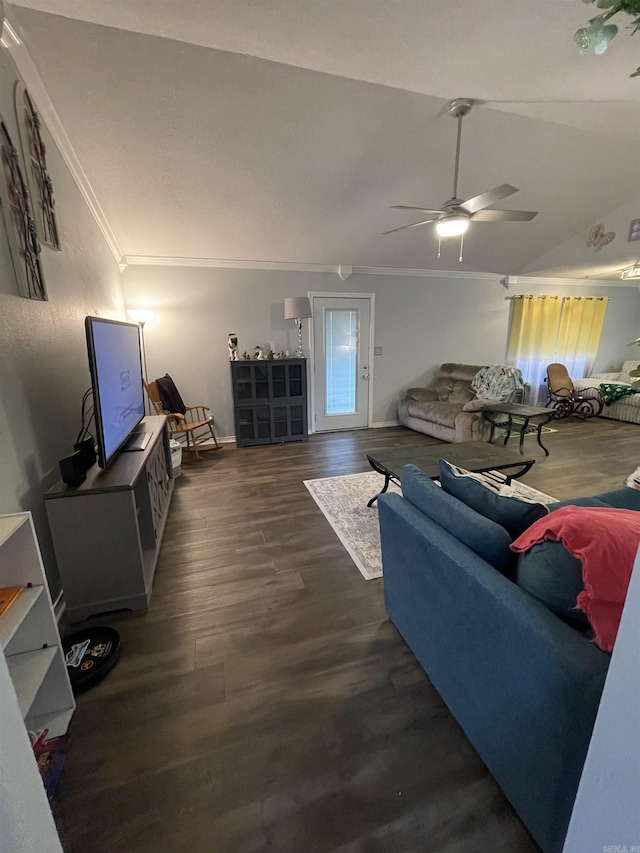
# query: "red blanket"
[605,541]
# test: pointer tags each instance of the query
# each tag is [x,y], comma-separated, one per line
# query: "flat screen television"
[115,365]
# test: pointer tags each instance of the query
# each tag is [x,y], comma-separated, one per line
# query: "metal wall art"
[35,163]
[634,230]
[598,238]
[21,229]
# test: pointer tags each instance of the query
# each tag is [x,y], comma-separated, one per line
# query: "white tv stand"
[107,532]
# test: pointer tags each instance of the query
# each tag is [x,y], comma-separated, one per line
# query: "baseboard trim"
[382,424]
[59,607]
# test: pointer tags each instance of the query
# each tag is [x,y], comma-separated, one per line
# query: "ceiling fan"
[453,218]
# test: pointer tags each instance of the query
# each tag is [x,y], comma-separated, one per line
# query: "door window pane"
[341,350]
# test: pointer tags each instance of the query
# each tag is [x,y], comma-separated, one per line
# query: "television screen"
[115,363]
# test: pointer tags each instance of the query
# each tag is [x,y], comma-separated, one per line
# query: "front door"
[341,362]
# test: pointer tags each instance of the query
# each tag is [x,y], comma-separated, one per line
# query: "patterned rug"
[531,430]
[343,501]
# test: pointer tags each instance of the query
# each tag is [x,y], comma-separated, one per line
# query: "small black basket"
[90,654]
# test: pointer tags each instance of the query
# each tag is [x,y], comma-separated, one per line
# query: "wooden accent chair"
[194,426]
[564,398]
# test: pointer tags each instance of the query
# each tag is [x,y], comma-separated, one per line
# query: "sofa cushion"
[589,500]
[485,538]
[551,573]
[491,498]
[461,392]
[443,386]
[624,498]
[437,412]
[606,542]
[422,395]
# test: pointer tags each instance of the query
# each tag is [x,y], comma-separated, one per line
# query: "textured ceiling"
[282,131]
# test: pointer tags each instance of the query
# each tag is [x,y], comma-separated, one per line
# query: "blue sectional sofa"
[523,684]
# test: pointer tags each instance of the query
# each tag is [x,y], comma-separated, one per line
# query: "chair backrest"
[154,395]
[559,381]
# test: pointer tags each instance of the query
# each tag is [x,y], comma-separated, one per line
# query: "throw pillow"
[550,573]
[422,395]
[482,536]
[605,541]
[491,498]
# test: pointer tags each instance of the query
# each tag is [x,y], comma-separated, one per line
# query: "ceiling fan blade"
[504,215]
[412,225]
[407,207]
[478,202]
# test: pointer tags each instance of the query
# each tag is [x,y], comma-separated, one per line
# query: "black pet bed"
[90,654]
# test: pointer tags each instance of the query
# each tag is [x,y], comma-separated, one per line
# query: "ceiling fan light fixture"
[452,226]
[631,272]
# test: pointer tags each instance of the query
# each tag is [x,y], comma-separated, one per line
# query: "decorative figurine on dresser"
[232,343]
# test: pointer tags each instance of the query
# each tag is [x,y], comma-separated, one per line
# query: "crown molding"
[226,263]
[335,269]
[569,282]
[285,266]
[27,70]
[419,273]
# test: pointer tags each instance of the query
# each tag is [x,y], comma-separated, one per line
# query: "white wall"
[607,808]
[43,362]
[420,323]
[574,253]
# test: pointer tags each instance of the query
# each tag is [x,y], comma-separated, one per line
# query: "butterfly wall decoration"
[598,238]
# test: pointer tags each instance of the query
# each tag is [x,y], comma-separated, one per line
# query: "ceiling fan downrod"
[459,108]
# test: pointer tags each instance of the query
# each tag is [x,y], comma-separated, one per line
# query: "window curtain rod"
[564,298]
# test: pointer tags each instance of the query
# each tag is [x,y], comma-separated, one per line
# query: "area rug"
[531,430]
[343,501]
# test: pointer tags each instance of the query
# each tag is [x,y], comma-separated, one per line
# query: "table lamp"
[297,308]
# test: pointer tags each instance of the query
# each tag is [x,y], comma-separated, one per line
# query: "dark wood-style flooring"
[264,702]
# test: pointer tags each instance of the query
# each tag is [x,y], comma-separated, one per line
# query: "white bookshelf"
[29,635]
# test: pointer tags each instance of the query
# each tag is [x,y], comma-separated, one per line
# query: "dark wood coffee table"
[476,456]
[503,414]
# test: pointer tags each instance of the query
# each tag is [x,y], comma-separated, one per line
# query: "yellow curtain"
[534,328]
[580,328]
[547,329]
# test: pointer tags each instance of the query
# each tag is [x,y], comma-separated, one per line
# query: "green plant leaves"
[598,34]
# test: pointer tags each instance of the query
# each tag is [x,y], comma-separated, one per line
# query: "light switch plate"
[377,350]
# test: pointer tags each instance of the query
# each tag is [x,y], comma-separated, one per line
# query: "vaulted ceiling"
[282,130]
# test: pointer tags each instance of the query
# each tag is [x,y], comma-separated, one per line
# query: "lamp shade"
[297,307]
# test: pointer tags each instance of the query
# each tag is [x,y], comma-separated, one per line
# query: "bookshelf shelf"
[15,615]
[28,671]
[29,635]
